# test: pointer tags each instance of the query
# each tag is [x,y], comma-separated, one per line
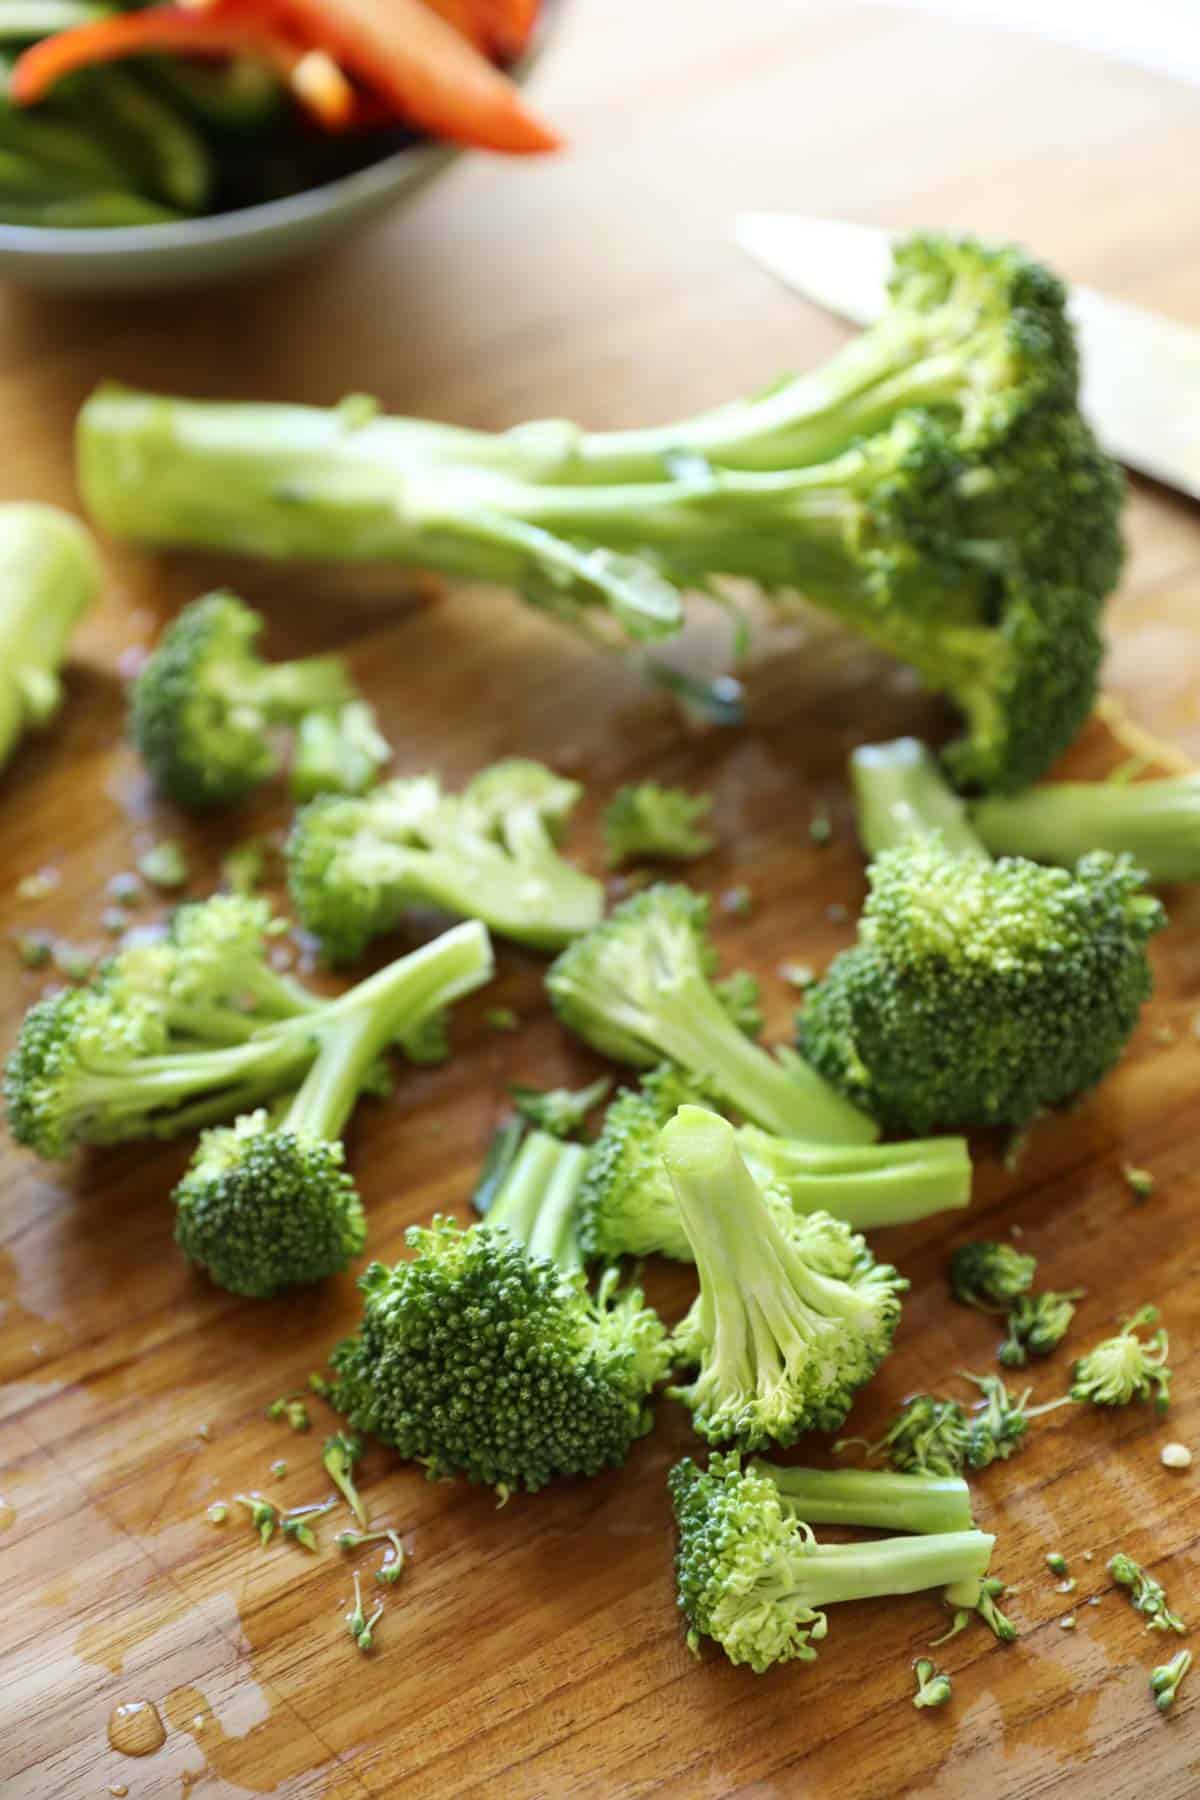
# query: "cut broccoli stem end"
[901,794]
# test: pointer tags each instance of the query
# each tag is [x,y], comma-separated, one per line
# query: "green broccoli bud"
[1037,1324]
[362,1629]
[356,866]
[164,865]
[49,577]
[204,705]
[1147,1596]
[486,1356]
[1140,1182]
[1056,1562]
[990,1276]
[1157,823]
[244,867]
[640,988]
[751,1575]
[793,1315]
[646,820]
[991,1590]
[1165,1679]
[339,750]
[933,1685]
[290,1407]
[1125,1368]
[560,1111]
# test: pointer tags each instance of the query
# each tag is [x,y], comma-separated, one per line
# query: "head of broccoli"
[204,704]
[640,988]
[980,993]
[794,1314]
[485,1355]
[751,1575]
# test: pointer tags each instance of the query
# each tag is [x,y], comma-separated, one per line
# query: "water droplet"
[8,1514]
[135,1728]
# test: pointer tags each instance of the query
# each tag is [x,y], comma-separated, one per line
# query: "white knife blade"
[1141,372]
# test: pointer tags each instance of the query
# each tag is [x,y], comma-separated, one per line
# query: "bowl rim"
[415,163]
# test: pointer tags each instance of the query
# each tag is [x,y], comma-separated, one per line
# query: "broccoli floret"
[486,1355]
[356,866]
[932,1436]
[793,1314]
[646,820]
[628,1205]
[341,1453]
[204,706]
[751,1575]
[1126,1367]
[93,1066]
[1037,1325]
[1155,822]
[990,1276]
[999,1422]
[1165,1679]
[560,1111]
[639,988]
[49,577]
[933,1685]
[1146,1595]
[339,750]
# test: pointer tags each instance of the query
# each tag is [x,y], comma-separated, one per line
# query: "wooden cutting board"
[535,1650]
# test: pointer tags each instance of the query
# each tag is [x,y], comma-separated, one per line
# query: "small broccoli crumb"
[263,1516]
[738,902]
[645,819]
[319,1385]
[125,890]
[392,1567]
[1037,1325]
[1068,1624]
[1056,1562]
[39,885]
[113,920]
[1066,1587]
[361,1628]
[217,1513]
[1165,1034]
[33,948]
[990,1276]
[1175,1456]
[242,870]
[1165,1679]
[300,1532]
[1147,1596]
[164,865]
[501,1018]
[1140,1182]
[820,830]
[341,1452]
[292,1409]
[797,975]
[933,1685]
[279,1468]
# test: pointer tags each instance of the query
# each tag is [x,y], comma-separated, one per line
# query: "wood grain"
[535,1651]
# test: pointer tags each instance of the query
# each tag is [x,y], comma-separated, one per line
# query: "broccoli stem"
[1156,822]
[537,1198]
[49,576]
[287,691]
[868,1186]
[920,1503]
[830,1573]
[900,794]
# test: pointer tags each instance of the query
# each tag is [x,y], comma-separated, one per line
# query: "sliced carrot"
[208,31]
[434,77]
[497,27]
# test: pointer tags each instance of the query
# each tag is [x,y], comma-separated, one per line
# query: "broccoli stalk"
[90,1067]
[751,1575]
[639,988]
[486,1356]
[49,576]
[793,1313]
[883,1501]
[1155,822]
[901,795]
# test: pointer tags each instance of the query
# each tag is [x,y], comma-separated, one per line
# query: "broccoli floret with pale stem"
[628,1205]
[485,1355]
[1165,1679]
[560,1111]
[751,1575]
[793,1315]
[978,993]
[98,1067]
[1146,1595]
[341,1453]
[646,820]
[204,707]
[1037,1325]
[339,750]
[928,1436]
[1126,1367]
[990,1276]
[356,866]
[1155,822]
[639,988]
[49,577]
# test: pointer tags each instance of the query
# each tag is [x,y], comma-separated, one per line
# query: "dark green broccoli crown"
[70,1046]
[987,1274]
[478,1359]
[627,1206]
[264,1207]
[979,993]
[202,741]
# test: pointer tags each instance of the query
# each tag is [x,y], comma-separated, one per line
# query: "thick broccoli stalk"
[793,1314]
[90,1067]
[49,576]
[639,988]
[751,1576]
[886,1502]
[1155,822]
[628,1205]
[900,794]
[486,1355]
[357,866]
[203,708]
[267,1203]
